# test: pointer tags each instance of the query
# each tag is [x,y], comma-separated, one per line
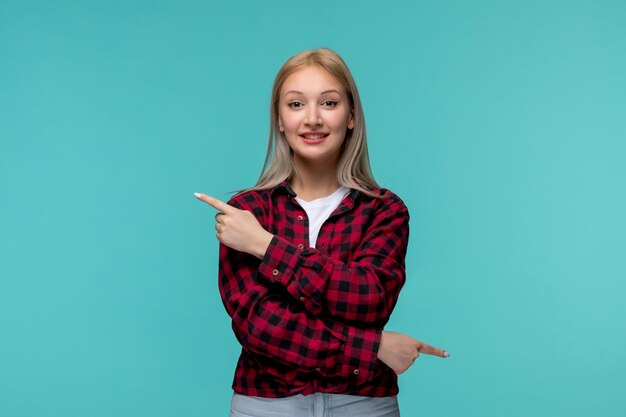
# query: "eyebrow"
[323,92]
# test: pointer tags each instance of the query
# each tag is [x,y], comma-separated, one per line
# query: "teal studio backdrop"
[500,123]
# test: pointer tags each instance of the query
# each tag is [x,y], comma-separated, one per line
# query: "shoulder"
[252,200]
[389,202]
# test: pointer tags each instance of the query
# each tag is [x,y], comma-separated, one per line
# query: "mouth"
[313,137]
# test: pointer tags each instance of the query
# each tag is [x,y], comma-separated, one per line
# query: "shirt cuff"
[280,261]
[361,353]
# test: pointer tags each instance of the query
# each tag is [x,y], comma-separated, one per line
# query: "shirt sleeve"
[364,290]
[266,321]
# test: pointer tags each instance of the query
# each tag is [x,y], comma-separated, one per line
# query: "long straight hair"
[354,169]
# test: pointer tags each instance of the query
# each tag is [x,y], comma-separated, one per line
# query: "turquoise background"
[501,124]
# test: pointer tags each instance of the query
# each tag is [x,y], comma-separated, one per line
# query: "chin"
[318,157]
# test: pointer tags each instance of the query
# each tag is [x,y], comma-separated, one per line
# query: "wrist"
[262,244]
[382,346]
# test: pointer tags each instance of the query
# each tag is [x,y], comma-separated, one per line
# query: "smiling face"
[314,115]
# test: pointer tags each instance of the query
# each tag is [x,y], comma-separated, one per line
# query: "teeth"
[314,136]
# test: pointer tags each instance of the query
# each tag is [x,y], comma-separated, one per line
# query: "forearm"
[364,290]
[268,325]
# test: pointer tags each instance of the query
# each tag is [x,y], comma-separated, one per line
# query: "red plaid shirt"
[310,319]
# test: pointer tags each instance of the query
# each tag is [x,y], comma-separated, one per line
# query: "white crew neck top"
[320,209]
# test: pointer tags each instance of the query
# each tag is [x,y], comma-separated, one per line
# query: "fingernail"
[197,195]
[446,354]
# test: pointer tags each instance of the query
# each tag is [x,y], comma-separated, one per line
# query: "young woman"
[312,259]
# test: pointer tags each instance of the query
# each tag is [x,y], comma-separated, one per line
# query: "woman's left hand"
[238,229]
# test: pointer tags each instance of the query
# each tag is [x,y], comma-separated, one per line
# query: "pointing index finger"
[215,203]
[431,350]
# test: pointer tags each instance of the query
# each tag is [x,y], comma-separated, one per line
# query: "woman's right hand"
[398,351]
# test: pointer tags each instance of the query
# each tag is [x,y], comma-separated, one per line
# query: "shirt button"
[302,298]
[275,272]
[301,246]
[300,218]
[318,370]
[356,372]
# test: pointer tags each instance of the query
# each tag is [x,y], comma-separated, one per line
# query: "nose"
[313,116]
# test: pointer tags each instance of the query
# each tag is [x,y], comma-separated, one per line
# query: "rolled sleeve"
[280,261]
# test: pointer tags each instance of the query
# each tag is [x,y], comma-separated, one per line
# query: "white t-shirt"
[320,209]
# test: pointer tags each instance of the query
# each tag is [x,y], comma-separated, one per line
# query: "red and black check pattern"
[310,319]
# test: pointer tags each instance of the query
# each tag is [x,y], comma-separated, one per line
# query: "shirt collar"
[284,187]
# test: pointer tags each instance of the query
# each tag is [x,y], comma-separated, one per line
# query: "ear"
[351,121]
[280,124]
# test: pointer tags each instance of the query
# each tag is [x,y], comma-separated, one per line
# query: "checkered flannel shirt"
[310,319]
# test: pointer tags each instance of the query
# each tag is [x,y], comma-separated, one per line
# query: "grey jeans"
[314,405]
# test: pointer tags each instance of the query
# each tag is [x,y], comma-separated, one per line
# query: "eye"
[295,104]
[329,103]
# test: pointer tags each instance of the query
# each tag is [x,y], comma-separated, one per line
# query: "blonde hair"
[354,166]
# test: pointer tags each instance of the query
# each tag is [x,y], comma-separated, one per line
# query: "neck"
[311,181]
